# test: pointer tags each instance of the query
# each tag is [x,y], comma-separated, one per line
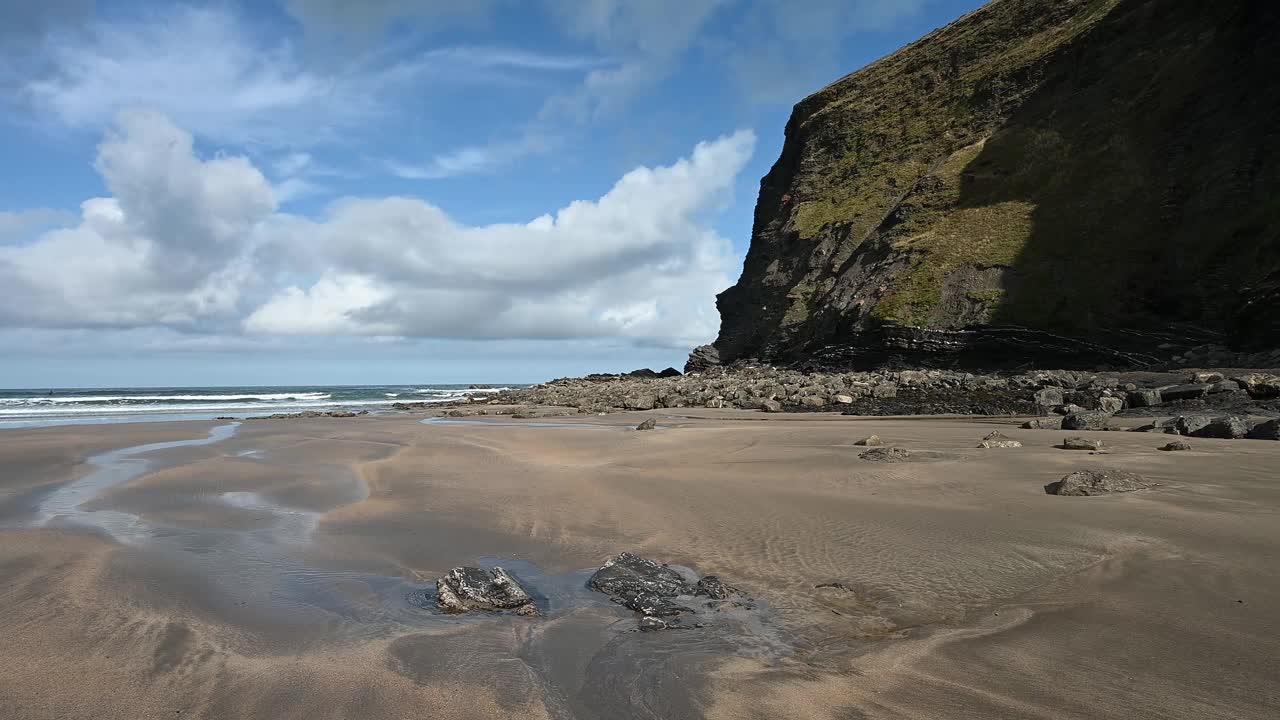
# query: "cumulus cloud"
[198,244]
[167,248]
[639,262]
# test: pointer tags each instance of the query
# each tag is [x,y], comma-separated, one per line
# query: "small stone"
[869,441]
[1175,445]
[1097,482]
[648,424]
[843,400]
[886,454]
[1079,443]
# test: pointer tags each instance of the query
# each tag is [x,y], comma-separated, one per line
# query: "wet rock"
[1230,427]
[648,424]
[1176,445]
[465,589]
[1190,424]
[1097,482]
[713,587]
[886,455]
[1260,385]
[650,624]
[1079,443]
[642,585]
[869,441]
[1269,430]
[1045,423]
[1088,420]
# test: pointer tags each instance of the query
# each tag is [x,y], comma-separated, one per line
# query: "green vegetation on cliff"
[1077,166]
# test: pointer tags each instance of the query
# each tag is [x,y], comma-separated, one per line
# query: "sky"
[392,191]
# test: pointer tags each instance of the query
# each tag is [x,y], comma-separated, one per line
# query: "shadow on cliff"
[1147,160]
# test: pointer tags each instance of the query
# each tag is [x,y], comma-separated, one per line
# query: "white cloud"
[168,248]
[14,225]
[215,75]
[472,159]
[639,262]
[197,244]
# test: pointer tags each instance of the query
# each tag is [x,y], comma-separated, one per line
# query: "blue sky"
[323,191]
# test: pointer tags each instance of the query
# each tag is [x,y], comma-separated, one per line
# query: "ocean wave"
[44,411]
[241,397]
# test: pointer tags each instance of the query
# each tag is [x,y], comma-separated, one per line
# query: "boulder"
[1168,427]
[1229,427]
[465,589]
[1175,445]
[1069,409]
[1144,398]
[1224,387]
[812,401]
[884,390]
[771,406]
[1097,482]
[640,402]
[1110,405]
[1045,423]
[1204,377]
[1079,443]
[1260,386]
[1087,420]
[1269,430]
[886,455]
[1049,397]
[869,441]
[1190,424]
[1172,393]
[648,424]
[843,399]
[642,585]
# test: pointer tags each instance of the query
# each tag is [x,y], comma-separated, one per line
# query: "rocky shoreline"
[910,392]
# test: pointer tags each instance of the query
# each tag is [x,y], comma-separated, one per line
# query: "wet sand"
[279,572]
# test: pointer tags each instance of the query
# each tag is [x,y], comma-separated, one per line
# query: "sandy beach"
[272,571]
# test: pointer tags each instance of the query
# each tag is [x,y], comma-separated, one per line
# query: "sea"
[78,406]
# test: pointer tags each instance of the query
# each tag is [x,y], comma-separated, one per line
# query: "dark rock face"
[990,147]
[1269,430]
[659,593]
[1097,482]
[1230,427]
[703,357]
[1088,420]
[1079,443]
[886,455]
[471,588]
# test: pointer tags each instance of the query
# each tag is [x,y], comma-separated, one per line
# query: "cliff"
[1069,182]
